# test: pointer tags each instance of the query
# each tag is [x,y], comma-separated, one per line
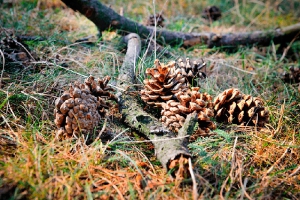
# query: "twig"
[195,190]
[24,49]
[288,47]
[102,130]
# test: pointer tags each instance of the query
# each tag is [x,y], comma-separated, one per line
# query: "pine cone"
[13,49]
[164,83]
[159,20]
[192,72]
[293,76]
[232,106]
[80,108]
[99,88]
[166,80]
[212,13]
[174,112]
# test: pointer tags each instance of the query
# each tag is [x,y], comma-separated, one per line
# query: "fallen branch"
[106,18]
[168,147]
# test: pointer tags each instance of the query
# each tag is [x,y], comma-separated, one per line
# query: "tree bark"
[106,18]
[167,146]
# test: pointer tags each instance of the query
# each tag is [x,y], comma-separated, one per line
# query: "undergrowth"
[234,162]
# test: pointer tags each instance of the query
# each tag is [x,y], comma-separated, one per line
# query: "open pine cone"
[232,106]
[81,107]
[159,20]
[191,71]
[174,112]
[166,80]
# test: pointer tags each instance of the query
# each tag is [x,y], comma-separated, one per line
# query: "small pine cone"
[164,83]
[232,106]
[174,112]
[80,108]
[293,76]
[13,49]
[211,13]
[8,43]
[192,71]
[159,20]
[99,87]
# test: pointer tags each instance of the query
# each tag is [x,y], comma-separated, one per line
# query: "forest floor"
[235,162]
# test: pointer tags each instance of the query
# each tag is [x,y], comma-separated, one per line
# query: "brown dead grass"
[243,163]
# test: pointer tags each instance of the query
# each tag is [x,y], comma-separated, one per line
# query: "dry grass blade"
[288,47]
[195,189]
[295,171]
[233,165]
[3,64]
[243,185]
[6,121]
[281,114]
[115,187]
[277,162]
[102,130]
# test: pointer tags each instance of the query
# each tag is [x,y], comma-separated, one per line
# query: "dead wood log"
[106,18]
[168,147]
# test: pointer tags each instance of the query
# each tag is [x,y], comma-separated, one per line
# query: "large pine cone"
[81,107]
[174,112]
[166,80]
[232,106]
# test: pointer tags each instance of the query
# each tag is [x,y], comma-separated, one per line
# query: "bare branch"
[106,18]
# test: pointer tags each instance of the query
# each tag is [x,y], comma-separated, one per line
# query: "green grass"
[260,164]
